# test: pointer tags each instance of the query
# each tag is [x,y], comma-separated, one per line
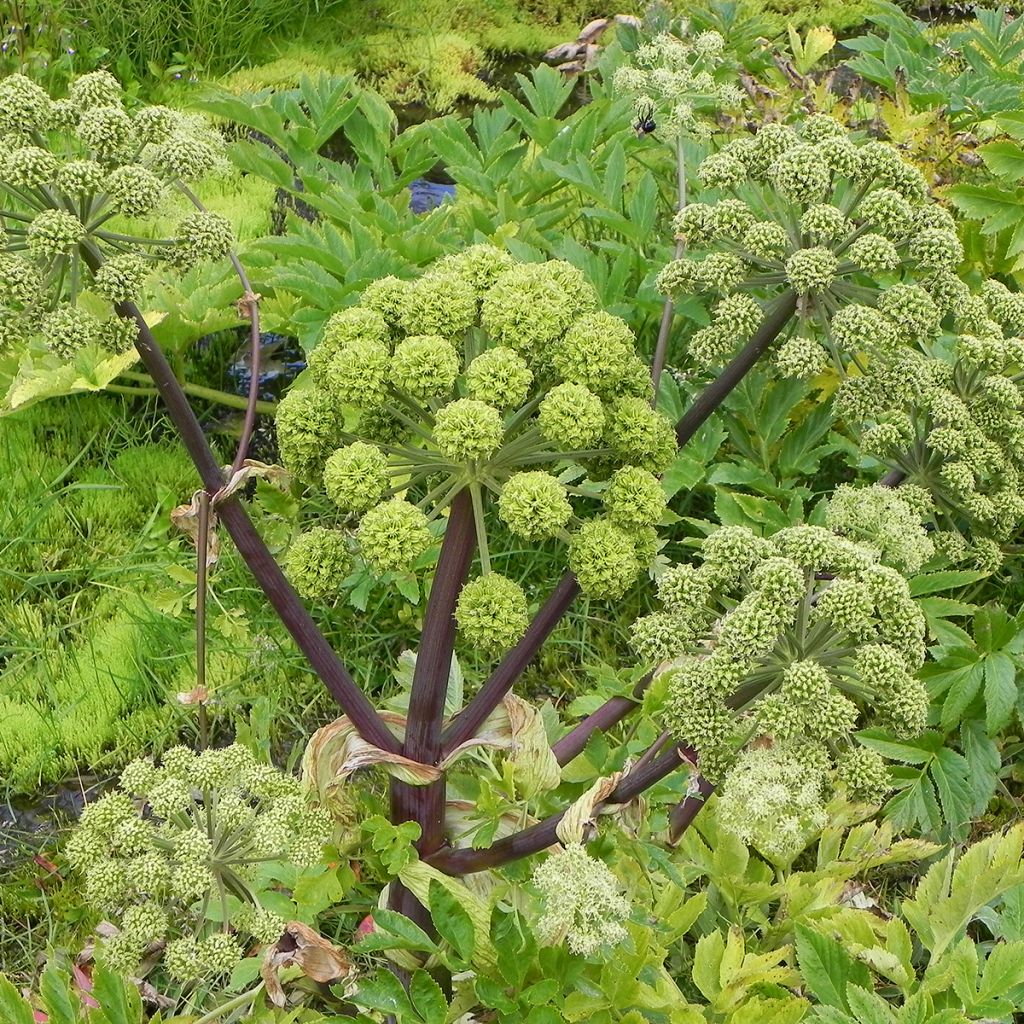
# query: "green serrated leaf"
[827,968]
[1000,690]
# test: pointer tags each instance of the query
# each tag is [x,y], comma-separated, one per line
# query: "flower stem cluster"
[799,638]
[487,376]
[178,839]
[70,169]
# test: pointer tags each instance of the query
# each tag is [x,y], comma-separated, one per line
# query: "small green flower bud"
[888,211]
[318,563]
[911,309]
[499,377]
[721,271]
[721,170]
[856,328]
[466,430]
[54,233]
[491,613]
[696,224]
[181,959]
[732,218]
[147,923]
[603,557]
[873,252]
[425,366]
[357,375]
[534,505]
[156,123]
[263,925]
[393,535]
[122,954]
[218,954]
[356,477]
[168,797]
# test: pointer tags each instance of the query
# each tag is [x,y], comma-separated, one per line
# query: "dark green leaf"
[1000,690]
[427,998]
[452,921]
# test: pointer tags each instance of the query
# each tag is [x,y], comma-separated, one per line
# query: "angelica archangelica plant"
[183,839]
[795,640]
[844,233]
[680,82]
[69,168]
[484,376]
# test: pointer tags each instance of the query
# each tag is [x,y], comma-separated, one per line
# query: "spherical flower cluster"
[393,535]
[202,236]
[151,863]
[604,558]
[318,562]
[54,233]
[425,366]
[634,498]
[467,429]
[120,278]
[491,613]
[24,106]
[534,505]
[68,330]
[796,623]
[356,477]
[499,377]
[773,799]
[582,902]
[571,417]
[801,356]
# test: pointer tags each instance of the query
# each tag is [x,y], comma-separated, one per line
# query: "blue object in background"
[428,195]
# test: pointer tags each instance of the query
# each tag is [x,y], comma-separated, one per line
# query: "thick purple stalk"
[718,390]
[542,835]
[512,665]
[425,804]
[609,714]
[290,609]
[681,816]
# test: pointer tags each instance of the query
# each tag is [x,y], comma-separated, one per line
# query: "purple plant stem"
[267,573]
[542,835]
[716,392]
[425,804]
[511,667]
[681,816]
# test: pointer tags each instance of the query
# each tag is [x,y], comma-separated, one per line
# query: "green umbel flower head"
[395,423]
[318,562]
[810,627]
[153,863]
